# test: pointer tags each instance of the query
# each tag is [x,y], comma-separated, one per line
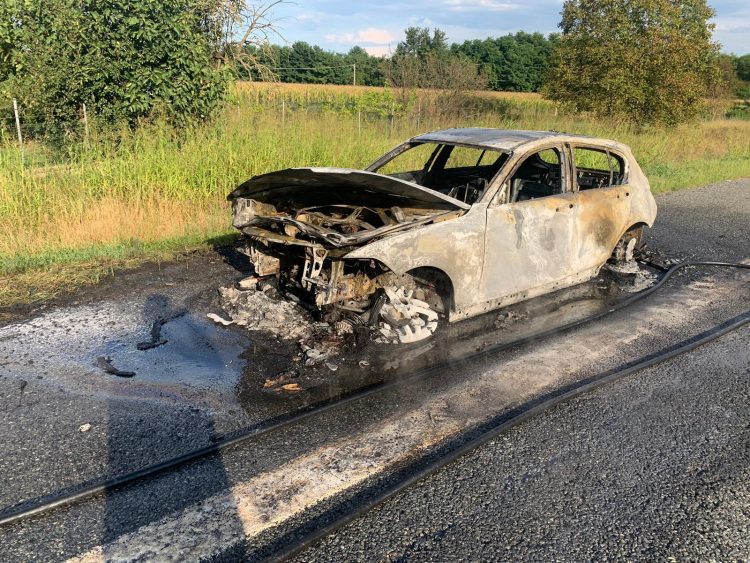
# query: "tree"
[743,67]
[514,62]
[424,61]
[419,43]
[125,59]
[650,61]
[727,83]
[240,33]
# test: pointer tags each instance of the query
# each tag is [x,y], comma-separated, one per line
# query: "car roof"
[498,139]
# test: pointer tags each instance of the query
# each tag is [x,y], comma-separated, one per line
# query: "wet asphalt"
[46,397]
[653,467]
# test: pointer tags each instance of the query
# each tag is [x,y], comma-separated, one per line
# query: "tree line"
[515,62]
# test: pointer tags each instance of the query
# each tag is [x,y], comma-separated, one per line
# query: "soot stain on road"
[273,363]
[196,361]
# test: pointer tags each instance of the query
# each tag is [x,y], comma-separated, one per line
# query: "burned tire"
[626,246]
[404,319]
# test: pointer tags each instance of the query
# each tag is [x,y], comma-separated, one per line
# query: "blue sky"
[338,25]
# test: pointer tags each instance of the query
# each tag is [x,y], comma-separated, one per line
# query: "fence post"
[18,128]
[85,125]
[354,79]
[18,123]
[359,121]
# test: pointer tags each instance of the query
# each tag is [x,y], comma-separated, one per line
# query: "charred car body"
[452,223]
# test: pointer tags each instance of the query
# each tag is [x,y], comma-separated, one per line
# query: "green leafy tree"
[743,67]
[126,60]
[514,62]
[419,42]
[742,64]
[650,61]
[424,60]
[309,64]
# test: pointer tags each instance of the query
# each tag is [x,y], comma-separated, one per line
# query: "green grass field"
[124,198]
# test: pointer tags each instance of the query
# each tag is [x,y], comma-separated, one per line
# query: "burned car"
[445,226]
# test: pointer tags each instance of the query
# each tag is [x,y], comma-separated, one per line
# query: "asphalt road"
[654,467]
[204,383]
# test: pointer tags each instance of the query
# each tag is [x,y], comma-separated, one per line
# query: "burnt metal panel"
[296,181]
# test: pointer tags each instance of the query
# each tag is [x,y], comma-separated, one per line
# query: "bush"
[126,60]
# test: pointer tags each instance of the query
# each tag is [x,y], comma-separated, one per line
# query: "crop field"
[70,217]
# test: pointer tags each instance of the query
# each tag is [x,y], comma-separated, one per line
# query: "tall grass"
[137,189]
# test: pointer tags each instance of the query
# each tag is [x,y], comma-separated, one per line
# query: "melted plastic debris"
[632,277]
[505,319]
[263,311]
[105,363]
[256,310]
[322,347]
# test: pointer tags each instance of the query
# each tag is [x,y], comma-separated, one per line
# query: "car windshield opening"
[459,171]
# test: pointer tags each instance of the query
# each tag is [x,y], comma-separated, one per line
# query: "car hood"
[344,184]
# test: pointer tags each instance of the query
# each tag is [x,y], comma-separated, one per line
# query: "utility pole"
[354,79]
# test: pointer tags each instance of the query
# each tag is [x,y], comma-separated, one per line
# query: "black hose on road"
[494,431]
[63,498]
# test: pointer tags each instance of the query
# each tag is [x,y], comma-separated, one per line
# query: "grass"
[68,219]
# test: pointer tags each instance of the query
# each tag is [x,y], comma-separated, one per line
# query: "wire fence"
[33,144]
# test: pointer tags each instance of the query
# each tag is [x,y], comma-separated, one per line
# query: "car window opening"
[458,171]
[597,168]
[540,175]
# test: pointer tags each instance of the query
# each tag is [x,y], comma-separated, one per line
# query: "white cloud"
[372,35]
[732,24]
[480,5]
[379,50]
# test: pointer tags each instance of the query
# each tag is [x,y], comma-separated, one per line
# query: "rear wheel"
[626,246]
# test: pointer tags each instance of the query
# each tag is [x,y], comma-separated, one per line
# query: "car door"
[603,197]
[530,241]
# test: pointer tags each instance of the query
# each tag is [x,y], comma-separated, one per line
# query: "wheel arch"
[439,280]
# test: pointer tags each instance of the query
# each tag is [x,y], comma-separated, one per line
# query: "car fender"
[456,247]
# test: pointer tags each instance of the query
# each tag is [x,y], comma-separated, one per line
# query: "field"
[117,199]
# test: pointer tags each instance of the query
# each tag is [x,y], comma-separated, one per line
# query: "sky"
[338,25]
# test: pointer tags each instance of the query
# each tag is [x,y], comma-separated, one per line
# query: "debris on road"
[257,310]
[281,379]
[220,320]
[84,427]
[631,276]
[506,319]
[262,310]
[105,363]
[156,337]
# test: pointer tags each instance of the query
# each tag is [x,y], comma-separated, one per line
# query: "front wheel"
[405,319]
